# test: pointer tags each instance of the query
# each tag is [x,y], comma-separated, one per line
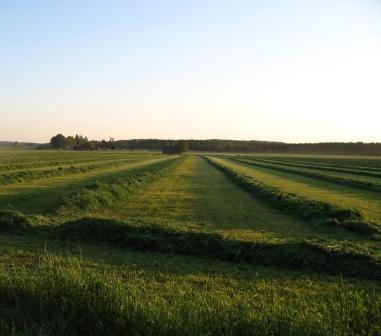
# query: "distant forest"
[17,145]
[213,145]
[221,146]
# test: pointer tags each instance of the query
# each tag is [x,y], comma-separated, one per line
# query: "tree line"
[254,146]
[17,145]
[79,142]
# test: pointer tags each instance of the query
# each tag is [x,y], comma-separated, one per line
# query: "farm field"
[350,196]
[119,243]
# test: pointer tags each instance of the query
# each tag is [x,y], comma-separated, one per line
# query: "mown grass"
[35,174]
[346,180]
[172,247]
[13,221]
[46,195]
[304,255]
[352,162]
[301,255]
[101,196]
[304,208]
[109,196]
[367,202]
[26,160]
[332,167]
[197,195]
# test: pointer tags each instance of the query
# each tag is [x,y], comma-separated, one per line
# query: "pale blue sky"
[287,70]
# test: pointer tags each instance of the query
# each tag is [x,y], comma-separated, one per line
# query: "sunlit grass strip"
[30,175]
[104,195]
[376,172]
[323,177]
[46,162]
[306,209]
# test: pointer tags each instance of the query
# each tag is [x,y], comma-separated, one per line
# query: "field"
[119,243]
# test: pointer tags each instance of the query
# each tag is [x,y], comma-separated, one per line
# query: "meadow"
[141,243]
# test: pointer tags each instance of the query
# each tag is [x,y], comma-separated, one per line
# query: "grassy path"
[43,195]
[369,203]
[196,194]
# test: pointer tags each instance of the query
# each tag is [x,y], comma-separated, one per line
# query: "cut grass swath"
[324,177]
[30,175]
[104,195]
[331,168]
[300,255]
[310,210]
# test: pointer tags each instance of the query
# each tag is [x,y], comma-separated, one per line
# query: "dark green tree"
[181,146]
[58,141]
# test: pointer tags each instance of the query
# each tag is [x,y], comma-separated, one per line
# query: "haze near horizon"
[292,71]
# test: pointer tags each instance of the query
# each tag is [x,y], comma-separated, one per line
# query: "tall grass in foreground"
[63,297]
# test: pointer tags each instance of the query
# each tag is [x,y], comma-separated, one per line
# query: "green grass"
[68,161]
[310,210]
[134,294]
[335,166]
[366,183]
[198,195]
[367,202]
[333,160]
[300,255]
[45,195]
[100,196]
[14,161]
[170,246]
[36,174]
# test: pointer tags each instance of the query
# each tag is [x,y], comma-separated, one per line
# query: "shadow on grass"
[39,199]
[296,255]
